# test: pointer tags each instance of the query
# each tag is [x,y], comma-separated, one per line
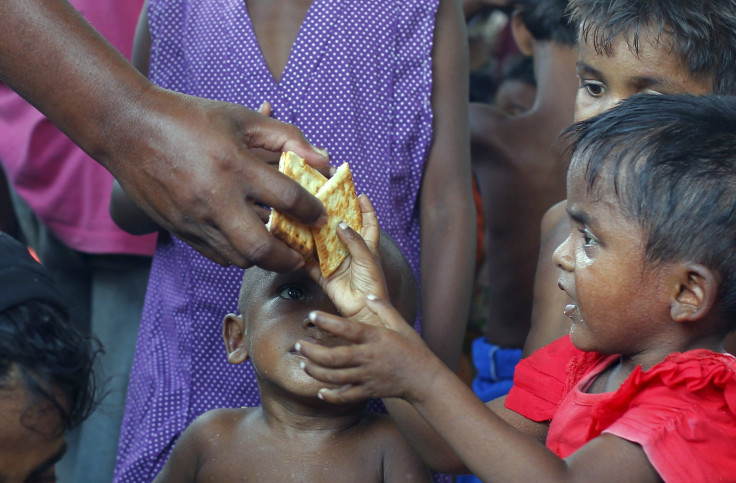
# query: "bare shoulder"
[208,435]
[216,428]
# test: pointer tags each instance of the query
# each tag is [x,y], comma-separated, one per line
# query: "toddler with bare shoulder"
[295,435]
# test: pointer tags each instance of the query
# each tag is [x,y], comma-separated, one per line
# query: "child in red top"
[630,47]
[641,389]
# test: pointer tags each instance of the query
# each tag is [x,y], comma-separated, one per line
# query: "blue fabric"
[495,366]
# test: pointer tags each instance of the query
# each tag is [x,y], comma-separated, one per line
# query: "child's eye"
[588,239]
[594,88]
[293,292]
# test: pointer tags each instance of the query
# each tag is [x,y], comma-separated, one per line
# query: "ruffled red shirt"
[682,411]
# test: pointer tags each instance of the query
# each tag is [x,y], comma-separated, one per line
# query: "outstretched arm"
[387,358]
[187,162]
[391,360]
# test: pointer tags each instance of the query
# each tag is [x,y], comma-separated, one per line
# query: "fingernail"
[320,395]
[342,225]
[312,316]
[322,152]
[298,347]
[302,364]
[370,296]
[322,220]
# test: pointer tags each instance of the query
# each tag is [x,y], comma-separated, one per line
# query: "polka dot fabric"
[358,82]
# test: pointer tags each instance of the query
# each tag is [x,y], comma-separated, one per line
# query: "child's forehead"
[650,62]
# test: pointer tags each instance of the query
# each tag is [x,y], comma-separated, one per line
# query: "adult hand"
[189,163]
[360,273]
[197,175]
[390,360]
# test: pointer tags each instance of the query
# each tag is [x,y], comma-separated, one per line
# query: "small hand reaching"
[360,273]
[388,360]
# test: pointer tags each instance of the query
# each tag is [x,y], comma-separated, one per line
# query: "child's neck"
[611,378]
[310,415]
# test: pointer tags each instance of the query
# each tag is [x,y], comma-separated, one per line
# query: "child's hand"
[360,273]
[390,360]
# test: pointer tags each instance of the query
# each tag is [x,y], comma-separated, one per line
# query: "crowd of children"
[609,218]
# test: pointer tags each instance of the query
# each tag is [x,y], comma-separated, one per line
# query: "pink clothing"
[65,188]
[682,411]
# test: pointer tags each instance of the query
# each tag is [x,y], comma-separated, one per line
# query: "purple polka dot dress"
[358,82]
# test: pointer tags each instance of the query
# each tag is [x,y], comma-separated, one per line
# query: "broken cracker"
[295,234]
[341,202]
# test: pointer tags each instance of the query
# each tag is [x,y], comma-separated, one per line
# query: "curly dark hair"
[53,358]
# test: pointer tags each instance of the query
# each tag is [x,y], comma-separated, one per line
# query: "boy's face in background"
[275,309]
[604,80]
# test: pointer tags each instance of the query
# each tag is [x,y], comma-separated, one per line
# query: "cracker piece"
[341,202]
[295,234]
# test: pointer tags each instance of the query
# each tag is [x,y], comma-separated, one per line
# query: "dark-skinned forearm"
[54,59]
[448,220]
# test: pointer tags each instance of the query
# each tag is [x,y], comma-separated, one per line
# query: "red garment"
[682,411]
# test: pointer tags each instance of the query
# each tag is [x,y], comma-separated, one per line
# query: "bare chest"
[276,24]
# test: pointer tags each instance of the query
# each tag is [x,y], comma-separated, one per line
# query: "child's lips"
[570,310]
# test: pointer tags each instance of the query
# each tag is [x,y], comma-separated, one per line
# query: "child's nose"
[563,255]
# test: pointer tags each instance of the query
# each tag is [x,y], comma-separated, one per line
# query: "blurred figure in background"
[46,388]
[60,197]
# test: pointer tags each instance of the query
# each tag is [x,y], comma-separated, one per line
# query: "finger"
[343,395]
[360,252]
[275,135]
[371,231]
[311,266]
[265,108]
[346,329]
[249,242]
[206,249]
[282,193]
[334,376]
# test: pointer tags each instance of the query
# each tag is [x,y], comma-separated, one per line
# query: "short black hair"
[672,161]
[548,20]
[53,359]
[702,33]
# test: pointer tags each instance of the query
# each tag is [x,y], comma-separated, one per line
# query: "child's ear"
[694,294]
[233,332]
[523,38]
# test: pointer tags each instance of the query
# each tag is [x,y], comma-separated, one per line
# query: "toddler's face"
[615,292]
[604,80]
[275,314]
